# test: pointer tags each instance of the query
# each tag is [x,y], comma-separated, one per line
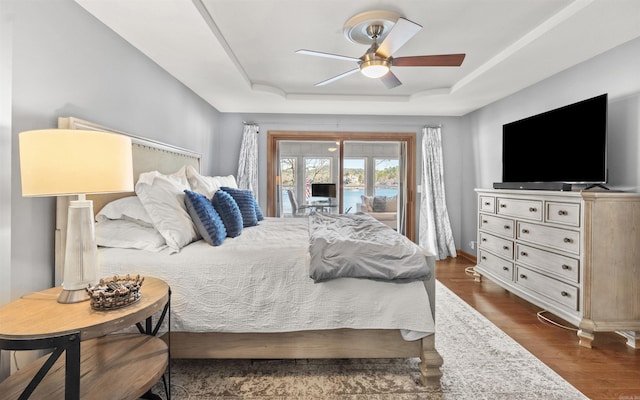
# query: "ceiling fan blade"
[390,80]
[399,34]
[327,55]
[335,78]
[443,60]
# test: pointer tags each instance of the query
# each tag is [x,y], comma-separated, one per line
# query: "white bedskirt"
[259,282]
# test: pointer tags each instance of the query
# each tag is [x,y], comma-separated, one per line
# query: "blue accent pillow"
[247,204]
[228,210]
[259,214]
[205,217]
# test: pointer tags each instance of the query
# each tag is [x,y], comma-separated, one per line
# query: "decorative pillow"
[163,198]
[368,202]
[208,185]
[128,235]
[206,218]
[392,204]
[379,204]
[259,214]
[128,208]
[246,203]
[228,210]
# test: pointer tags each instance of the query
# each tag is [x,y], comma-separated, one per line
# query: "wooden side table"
[96,365]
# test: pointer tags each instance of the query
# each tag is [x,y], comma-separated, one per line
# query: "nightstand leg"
[72,374]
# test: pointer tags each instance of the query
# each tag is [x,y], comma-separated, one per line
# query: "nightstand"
[97,364]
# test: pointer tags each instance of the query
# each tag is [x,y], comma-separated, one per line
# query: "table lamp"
[63,162]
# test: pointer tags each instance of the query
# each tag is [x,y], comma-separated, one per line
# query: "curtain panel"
[247,176]
[434,226]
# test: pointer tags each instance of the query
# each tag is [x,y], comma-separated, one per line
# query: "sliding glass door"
[348,172]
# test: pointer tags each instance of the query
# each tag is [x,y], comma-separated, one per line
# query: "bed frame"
[338,343]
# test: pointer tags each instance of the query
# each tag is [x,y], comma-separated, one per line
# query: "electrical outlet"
[472,244]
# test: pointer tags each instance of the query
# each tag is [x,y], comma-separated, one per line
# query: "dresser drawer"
[564,267]
[563,213]
[527,209]
[498,225]
[499,246]
[496,265]
[487,204]
[557,238]
[561,293]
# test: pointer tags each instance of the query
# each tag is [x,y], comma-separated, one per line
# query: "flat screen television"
[565,145]
[323,190]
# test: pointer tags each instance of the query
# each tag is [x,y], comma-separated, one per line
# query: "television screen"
[568,144]
[323,189]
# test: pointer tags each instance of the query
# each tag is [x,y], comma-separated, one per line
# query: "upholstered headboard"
[148,155]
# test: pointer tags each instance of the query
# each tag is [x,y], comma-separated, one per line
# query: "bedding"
[162,196]
[128,235]
[127,208]
[359,246]
[259,282]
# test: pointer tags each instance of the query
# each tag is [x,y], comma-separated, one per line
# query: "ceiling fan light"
[375,68]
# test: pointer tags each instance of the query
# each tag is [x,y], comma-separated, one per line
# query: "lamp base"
[73,296]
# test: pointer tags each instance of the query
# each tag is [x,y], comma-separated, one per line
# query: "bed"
[286,314]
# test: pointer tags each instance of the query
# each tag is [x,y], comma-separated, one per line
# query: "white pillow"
[128,235]
[208,185]
[163,198]
[128,208]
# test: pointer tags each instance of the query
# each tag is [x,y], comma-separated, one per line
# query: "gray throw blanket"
[359,246]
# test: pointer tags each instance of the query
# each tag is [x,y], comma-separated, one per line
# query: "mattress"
[259,282]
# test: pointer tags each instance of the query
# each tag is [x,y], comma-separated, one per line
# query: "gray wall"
[616,72]
[66,63]
[454,132]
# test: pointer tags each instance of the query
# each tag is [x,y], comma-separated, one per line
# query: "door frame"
[409,138]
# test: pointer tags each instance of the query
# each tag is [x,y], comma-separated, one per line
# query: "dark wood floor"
[610,370]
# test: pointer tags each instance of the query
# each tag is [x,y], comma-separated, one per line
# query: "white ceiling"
[239,55]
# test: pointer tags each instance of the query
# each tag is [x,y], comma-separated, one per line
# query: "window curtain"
[435,228]
[402,192]
[248,161]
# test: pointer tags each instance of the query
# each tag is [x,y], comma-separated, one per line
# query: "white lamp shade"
[58,162]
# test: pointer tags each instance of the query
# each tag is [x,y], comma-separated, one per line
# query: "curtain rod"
[252,123]
[433,126]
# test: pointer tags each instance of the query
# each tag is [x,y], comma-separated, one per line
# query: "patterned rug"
[480,362]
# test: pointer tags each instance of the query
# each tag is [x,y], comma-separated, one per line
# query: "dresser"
[574,254]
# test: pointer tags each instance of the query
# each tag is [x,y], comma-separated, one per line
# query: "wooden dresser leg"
[586,337]
[430,362]
[632,338]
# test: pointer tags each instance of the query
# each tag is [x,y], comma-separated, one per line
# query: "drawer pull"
[507,227]
[563,212]
[564,294]
[566,267]
[525,231]
[484,221]
[505,247]
[486,203]
[505,268]
[523,253]
[503,205]
[484,258]
[567,240]
[532,209]
[484,240]
[523,276]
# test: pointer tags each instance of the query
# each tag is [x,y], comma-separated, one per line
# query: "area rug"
[480,362]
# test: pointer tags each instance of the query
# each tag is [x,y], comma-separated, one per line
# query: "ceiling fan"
[393,32]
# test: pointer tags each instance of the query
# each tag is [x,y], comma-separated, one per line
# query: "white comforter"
[259,282]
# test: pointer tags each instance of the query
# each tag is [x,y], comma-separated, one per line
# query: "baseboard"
[467,256]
